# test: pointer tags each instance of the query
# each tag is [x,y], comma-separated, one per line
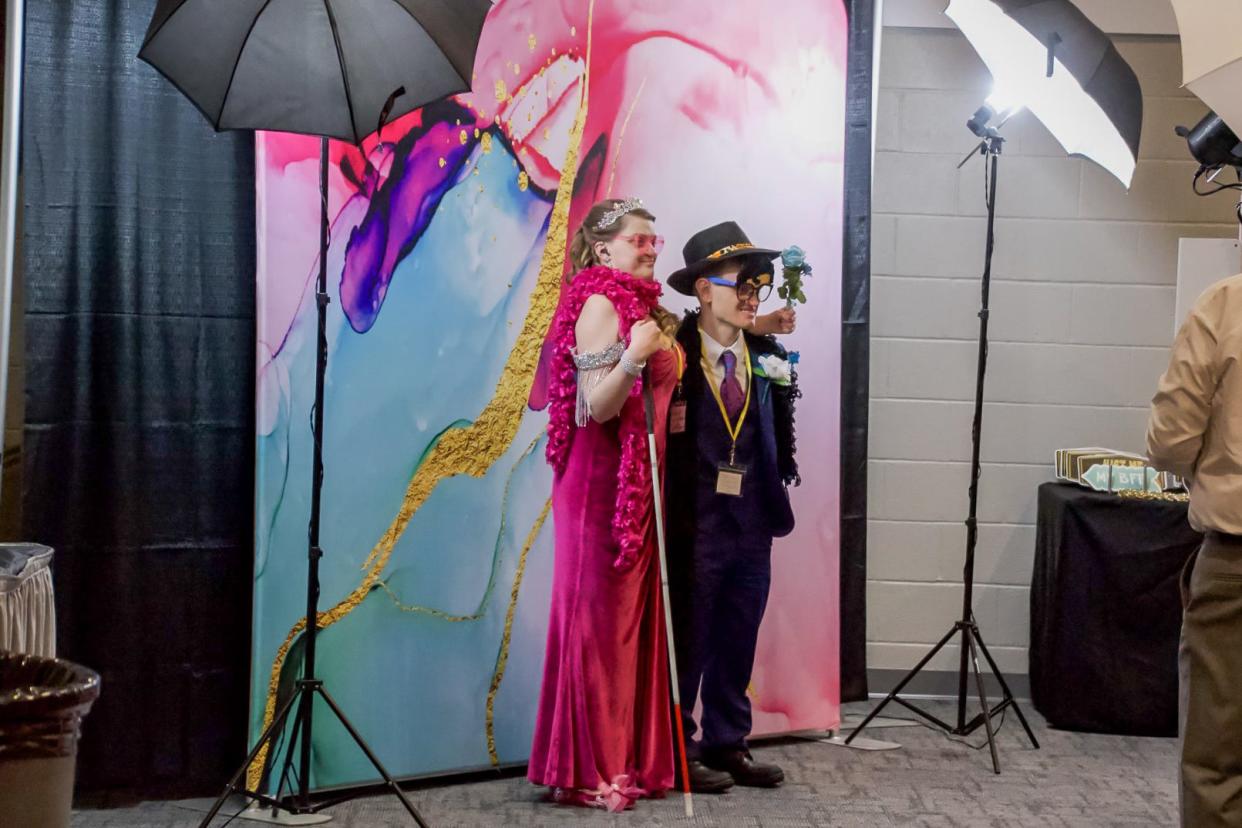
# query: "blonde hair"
[582,249]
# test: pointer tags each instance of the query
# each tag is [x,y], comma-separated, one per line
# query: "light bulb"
[1004,102]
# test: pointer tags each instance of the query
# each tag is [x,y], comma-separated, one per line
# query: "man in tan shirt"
[1196,432]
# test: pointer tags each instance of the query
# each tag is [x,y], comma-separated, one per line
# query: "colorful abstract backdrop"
[447,253]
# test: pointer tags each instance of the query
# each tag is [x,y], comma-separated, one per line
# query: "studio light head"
[978,123]
[1215,146]
[1212,143]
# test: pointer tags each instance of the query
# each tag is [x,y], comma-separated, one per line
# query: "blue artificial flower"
[793,357]
[793,257]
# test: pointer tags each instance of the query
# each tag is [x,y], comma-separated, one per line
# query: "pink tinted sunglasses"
[642,240]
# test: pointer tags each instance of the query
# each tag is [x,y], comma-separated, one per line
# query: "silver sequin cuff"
[592,369]
[600,359]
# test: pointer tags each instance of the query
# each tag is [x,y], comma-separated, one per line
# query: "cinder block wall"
[1083,302]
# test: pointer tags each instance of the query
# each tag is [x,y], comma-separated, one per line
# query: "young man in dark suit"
[730,459]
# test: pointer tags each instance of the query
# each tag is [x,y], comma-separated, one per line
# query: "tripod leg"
[287,765]
[983,698]
[388,780]
[1008,695]
[902,684]
[278,721]
[963,671]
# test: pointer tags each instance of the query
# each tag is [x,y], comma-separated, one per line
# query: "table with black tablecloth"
[1106,610]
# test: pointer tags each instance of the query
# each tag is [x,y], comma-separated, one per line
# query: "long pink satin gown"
[603,730]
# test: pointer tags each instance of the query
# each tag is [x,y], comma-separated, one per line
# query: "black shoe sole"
[719,787]
[752,781]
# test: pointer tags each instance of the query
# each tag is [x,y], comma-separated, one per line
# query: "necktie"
[730,389]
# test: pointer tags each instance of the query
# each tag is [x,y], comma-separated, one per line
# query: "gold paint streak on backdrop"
[616,153]
[485,599]
[502,660]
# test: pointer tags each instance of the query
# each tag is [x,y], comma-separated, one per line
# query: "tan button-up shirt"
[1195,429]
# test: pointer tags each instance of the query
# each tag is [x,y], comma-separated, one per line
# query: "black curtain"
[856,349]
[139,250]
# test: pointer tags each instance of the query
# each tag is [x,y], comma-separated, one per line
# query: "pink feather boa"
[634,300]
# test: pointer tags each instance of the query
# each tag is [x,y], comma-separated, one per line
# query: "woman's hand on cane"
[595,331]
[646,339]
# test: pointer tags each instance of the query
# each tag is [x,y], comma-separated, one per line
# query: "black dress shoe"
[704,780]
[740,765]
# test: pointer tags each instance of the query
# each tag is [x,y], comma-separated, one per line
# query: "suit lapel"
[763,385]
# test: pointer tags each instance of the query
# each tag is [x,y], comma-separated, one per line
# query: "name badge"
[729,479]
[677,418]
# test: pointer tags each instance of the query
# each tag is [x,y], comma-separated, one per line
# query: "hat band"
[733,248]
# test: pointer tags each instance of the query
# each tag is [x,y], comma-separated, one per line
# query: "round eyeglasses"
[745,290]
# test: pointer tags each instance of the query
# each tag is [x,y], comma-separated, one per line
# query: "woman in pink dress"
[602,737]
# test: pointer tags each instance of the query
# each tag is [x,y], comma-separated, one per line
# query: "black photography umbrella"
[318,68]
[337,69]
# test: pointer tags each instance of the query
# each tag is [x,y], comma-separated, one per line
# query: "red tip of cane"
[681,742]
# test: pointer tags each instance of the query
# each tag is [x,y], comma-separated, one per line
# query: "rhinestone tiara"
[612,216]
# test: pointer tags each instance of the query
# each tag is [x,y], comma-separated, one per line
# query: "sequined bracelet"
[631,367]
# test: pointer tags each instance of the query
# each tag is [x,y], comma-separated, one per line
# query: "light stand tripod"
[972,643]
[308,686]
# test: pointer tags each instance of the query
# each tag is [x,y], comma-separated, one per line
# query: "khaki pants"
[1210,667]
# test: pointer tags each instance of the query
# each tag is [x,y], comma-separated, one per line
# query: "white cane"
[649,406]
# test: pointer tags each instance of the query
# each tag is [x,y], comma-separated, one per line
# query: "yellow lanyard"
[734,429]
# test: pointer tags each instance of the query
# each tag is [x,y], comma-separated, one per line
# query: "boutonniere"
[777,370]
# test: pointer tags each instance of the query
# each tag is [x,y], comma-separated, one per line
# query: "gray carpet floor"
[1073,780]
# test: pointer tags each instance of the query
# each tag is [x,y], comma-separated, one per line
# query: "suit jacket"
[774,405]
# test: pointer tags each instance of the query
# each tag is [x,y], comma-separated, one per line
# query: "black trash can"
[42,703]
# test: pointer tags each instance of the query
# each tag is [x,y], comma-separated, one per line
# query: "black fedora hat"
[708,248]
